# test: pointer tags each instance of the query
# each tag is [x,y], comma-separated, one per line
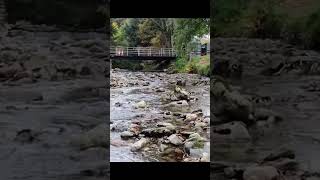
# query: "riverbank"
[266,110]
[159,117]
[53,104]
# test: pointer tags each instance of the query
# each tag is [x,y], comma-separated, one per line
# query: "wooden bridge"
[142,53]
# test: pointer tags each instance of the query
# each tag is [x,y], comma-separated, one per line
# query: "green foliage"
[264,20]
[186,30]
[198,65]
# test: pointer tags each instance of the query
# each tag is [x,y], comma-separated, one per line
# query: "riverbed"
[154,88]
[282,80]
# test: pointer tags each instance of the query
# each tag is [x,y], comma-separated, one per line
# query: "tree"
[185,31]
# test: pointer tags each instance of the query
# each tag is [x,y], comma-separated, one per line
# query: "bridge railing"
[142,51]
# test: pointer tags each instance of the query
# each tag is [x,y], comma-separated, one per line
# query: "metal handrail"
[142,51]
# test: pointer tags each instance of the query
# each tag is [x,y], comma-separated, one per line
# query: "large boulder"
[261,173]
[229,105]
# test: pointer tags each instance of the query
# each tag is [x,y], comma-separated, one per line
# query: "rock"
[85,71]
[261,173]
[205,157]
[182,94]
[167,125]
[118,143]
[194,141]
[178,154]
[281,153]
[175,139]
[127,135]
[284,164]
[141,104]
[197,153]
[160,90]
[229,105]
[163,147]
[96,137]
[139,144]
[25,136]
[191,117]
[135,128]
[117,104]
[265,114]
[200,124]
[181,83]
[234,131]
[229,172]
[158,132]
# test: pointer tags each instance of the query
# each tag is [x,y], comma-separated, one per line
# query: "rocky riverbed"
[159,117]
[53,100]
[265,99]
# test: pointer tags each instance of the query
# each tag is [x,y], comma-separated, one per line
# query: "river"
[129,88]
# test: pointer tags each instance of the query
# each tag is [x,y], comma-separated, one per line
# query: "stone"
[181,83]
[281,153]
[284,164]
[182,94]
[200,124]
[158,132]
[139,144]
[141,104]
[234,131]
[160,90]
[163,147]
[205,157]
[175,139]
[127,135]
[261,173]
[229,172]
[191,117]
[167,125]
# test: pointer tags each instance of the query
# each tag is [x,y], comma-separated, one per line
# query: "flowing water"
[140,86]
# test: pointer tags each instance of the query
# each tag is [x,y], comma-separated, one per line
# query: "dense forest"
[297,22]
[181,34]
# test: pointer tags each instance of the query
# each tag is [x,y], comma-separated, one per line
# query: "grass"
[198,65]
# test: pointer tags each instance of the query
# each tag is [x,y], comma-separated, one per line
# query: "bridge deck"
[142,53]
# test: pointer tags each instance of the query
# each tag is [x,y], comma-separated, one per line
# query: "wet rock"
[135,128]
[175,139]
[160,90]
[205,157]
[96,137]
[265,114]
[284,164]
[200,124]
[167,125]
[281,153]
[178,104]
[127,135]
[163,147]
[182,94]
[85,71]
[158,132]
[25,136]
[229,172]
[181,82]
[230,105]
[191,117]
[141,104]
[261,173]
[139,144]
[234,131]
